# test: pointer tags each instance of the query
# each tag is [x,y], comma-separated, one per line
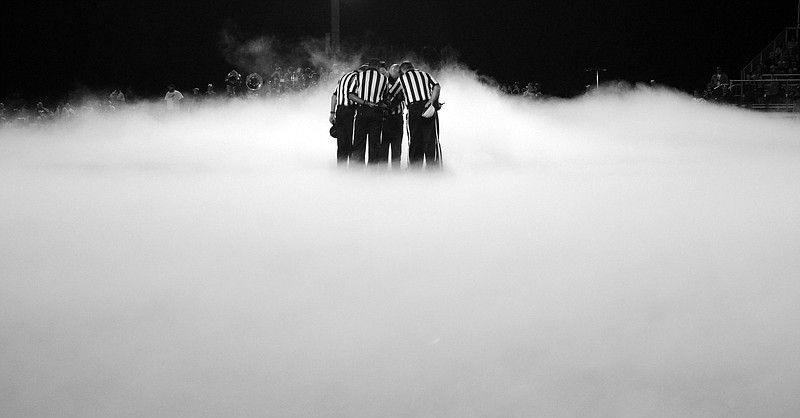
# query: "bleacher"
[770,82]
[773,107]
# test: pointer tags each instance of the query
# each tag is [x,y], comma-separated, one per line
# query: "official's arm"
[332,117]
[434,95]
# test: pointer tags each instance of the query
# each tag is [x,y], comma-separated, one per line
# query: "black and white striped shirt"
[396,106]
[416,85]
[372,85]
[347,84]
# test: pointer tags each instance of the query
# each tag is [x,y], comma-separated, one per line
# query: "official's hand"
[332,118]
[428,104]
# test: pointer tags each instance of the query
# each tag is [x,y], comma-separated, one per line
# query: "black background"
[53,47]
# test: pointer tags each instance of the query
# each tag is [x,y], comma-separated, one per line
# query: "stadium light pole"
[335,27]
[597,74]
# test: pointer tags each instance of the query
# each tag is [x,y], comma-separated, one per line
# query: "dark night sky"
[51,47]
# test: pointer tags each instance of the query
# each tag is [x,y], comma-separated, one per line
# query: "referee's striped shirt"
[396,106]
[372,85]
[416,86]
[347,84]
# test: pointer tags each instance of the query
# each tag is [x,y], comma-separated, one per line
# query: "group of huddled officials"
[370,107]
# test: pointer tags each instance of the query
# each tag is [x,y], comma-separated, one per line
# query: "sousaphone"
[254,82]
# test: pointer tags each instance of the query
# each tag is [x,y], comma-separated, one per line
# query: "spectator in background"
[719,84]
[173,99]
[528,91]
[313,76]
[195,99]
[233,83]
[275,80]
[210,93]
[116,97]
[42,113]
[21,114]
[791,46]
[759,69]
[294,80]
[286,81]
[533,91]
[719,79]
[67,112]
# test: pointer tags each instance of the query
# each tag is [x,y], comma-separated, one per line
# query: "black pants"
[423,141]
[345,117]
[368,125]
[392,138]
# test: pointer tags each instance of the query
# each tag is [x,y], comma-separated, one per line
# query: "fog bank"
[629,253]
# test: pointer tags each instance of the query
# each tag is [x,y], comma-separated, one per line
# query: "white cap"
[429,112]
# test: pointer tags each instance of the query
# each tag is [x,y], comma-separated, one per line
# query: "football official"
[393,123]
[343,112]
[371,91]
[421,93]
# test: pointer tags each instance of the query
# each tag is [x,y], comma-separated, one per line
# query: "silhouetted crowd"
[279,81]
[783,59]
[754,89]
[25,116]
[772,80]
[531,90]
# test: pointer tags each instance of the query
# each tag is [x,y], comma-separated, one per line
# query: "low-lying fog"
[630,253]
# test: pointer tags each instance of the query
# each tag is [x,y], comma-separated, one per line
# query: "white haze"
[630,253]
